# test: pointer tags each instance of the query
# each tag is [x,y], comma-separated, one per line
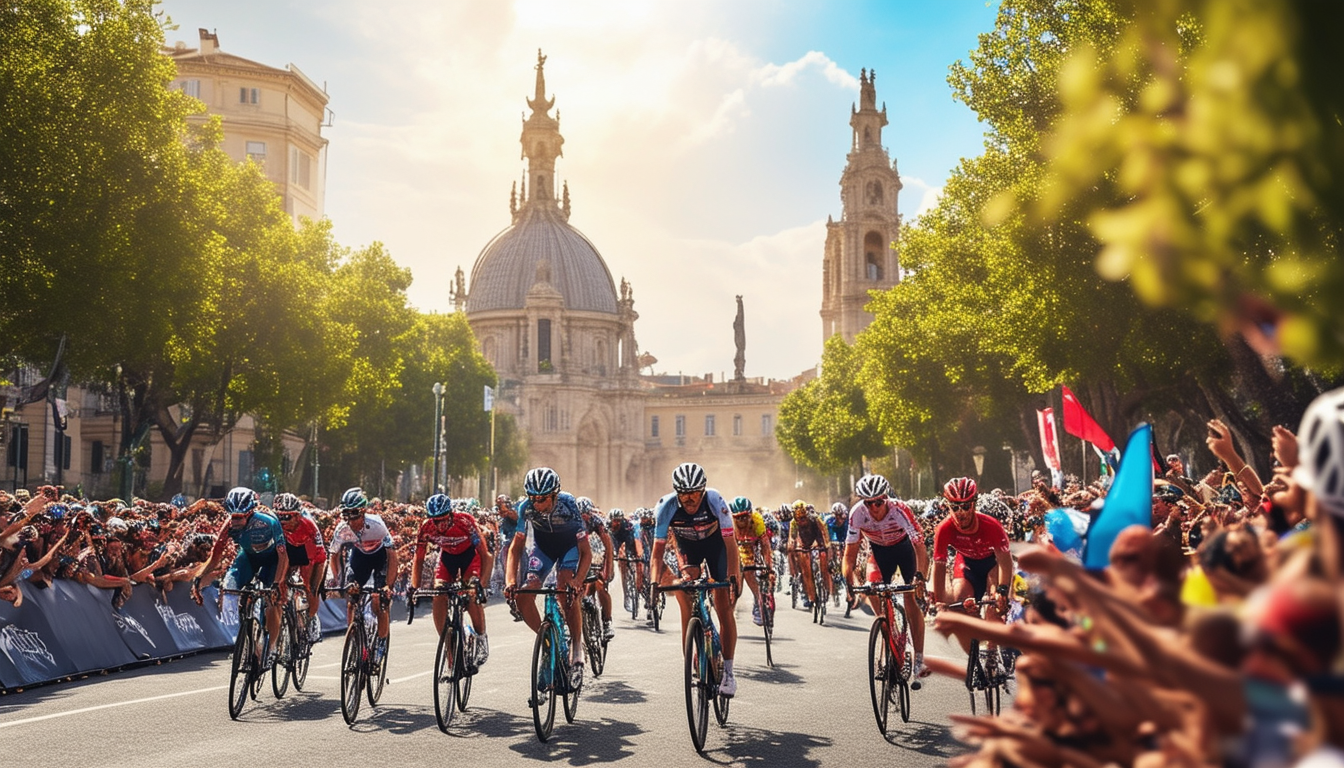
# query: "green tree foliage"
[825,423]
[1228,155]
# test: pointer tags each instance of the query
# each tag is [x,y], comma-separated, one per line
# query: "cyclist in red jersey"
[307,554]
[983,559]
[461,557]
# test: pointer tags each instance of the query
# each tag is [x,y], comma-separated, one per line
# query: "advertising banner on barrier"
[142,629]
[194,626]
[82,618]
[30,651]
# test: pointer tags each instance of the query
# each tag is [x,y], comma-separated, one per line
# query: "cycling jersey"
[453,534]
[260,534]
[896,525]
[810,532]
[370,538]
[623,537]
[555,534]
[749,531]
[710,518]
[989,537]
[307,537]
[836,527]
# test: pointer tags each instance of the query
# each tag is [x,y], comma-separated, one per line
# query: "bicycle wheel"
[544,666]
[570,697]
[992,700]
[658,606]
[631,594]
[303,653]
[904,662]
[592,638]
[793,591]
[879,677]
[260,639]
[697,686]
[468,670]
[352,673]
[284,650]
[240,672]
[768,623]
[716,670]
[376,674]
[975,675]
[445,676]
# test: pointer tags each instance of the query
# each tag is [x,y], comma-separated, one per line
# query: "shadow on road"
[932,739]
[398,720]
[754,746]
[613,692]
[777,674]
[309,705]
[582,742]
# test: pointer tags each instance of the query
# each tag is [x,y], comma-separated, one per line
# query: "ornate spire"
[564,202]
[458,291]
[539,102]
[542,143]
[513,200]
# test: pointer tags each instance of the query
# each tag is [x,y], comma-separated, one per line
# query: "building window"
[709,425]
[191,87]
[767,424]
[873,248]
[249,96]
[256,152]
[300,168]
[60,451]
[737,425]
[245,467]
[681,426]
[544,347]
[653,427]
[99,456]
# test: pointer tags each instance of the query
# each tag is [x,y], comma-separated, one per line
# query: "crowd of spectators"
[114,545]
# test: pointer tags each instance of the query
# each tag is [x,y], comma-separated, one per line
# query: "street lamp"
[438,433]
[978,456]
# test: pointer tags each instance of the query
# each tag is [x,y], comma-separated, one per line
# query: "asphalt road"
[811,709]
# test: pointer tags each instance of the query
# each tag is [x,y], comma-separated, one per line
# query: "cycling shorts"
[976,571]
[710,550]
[361,566]
[462,566]
[540,563]
[884,562]
[298,555]
[245,566]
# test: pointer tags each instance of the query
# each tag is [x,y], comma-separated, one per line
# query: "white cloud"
[928,194]
[776,74]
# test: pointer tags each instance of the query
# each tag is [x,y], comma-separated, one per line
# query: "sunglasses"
[286,517]
[874,502]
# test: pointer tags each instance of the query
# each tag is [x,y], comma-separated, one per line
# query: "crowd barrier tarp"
[82,619]
[30,649]
[332,615]
[195,626]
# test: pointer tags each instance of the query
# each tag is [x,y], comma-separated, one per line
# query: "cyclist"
[895,544]
[461,558]
[703,530]
[837,527]
[370,555]
[560,543]
[753,547]
[258,536]
[623,540]
[983,559]
[303,541]
[603,552]
[647,525]
[807,532]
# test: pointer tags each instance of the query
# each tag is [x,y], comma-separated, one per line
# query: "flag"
[1129,502]
[489,398]
[1049,441]
[1079,423]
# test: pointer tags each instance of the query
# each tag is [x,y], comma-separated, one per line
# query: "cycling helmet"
[616,514]
[438,505]
[461,505]
[959,490]
[873,487]
[285,502]
[839,508]
[541,481]
[799,504]
[354,499]
[584,504]
[57,510]
[240,501]
[740,505]
[1320,440]
[688,477]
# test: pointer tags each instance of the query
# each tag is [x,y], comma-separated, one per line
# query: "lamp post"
[438,434]
[978,456]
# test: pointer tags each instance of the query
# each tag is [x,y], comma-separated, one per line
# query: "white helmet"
[1320,442]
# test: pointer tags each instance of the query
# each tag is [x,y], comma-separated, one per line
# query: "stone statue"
[544,271]
[740,337]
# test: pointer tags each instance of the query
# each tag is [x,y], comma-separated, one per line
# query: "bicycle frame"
[249,655]
[553,641]
[703,659]
[454,663]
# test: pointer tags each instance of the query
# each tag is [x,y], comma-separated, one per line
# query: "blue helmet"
[740,504]
[541,481]
[240,501]
[354,499]
[438,505]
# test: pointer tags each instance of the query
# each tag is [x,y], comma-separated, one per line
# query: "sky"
[704,141]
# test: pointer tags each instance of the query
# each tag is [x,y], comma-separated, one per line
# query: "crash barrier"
[70,629]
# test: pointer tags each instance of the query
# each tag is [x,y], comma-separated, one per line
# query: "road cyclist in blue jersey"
[560,543]
[370,556]
[261,553]
[699,519]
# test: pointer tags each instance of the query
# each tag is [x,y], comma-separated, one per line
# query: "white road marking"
[108,706]
[410,677]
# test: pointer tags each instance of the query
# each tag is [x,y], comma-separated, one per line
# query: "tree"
[825,424]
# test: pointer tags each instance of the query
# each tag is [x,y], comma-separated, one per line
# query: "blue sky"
[703,141]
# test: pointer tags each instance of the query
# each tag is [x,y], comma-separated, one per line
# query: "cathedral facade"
[860,253]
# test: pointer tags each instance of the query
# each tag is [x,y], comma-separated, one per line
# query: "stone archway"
[592,457]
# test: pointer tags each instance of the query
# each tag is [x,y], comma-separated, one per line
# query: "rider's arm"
[851,557]
[419,563]
[656,560]
[515,556]
[609,551]
[391,567]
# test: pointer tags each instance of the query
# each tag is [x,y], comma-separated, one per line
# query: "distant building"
[273,117]
[859,255]
[553,323]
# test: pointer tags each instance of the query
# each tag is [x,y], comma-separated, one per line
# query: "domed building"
[549,319]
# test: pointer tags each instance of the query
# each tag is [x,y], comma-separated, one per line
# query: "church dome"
[507,266]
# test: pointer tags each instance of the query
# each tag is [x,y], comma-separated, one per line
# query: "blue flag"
[1130,501]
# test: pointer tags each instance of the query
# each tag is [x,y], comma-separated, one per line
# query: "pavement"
[811,709]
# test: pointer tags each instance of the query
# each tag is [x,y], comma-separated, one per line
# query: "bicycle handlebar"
[694,586]
[882,589]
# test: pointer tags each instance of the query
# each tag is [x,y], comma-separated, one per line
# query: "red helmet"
[959,490]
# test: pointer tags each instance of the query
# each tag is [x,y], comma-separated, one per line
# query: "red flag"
[1049,442]
[1079,423]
